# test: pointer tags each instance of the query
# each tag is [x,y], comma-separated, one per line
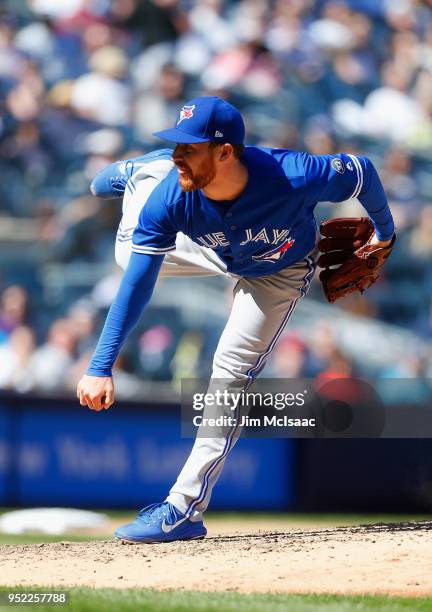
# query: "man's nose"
[177,154]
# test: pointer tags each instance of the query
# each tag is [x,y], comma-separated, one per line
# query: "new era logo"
[218,134]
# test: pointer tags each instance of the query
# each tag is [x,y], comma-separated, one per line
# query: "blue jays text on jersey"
[271,224]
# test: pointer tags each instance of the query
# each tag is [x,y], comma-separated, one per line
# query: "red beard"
[203,176]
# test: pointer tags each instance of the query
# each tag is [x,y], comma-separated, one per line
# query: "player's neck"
[228,184]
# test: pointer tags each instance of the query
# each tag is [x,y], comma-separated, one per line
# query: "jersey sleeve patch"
[332,178]
[338,165]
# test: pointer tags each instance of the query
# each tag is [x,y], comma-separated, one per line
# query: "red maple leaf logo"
[186,113]
[287,245]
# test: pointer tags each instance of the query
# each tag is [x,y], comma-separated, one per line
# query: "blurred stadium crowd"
[85,82]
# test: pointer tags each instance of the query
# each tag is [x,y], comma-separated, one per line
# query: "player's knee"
[228,367]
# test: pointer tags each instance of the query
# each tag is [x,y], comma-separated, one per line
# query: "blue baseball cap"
[206,118]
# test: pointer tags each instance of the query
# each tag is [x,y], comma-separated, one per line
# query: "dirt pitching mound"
[394,559]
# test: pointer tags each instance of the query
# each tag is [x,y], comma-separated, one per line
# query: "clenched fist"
[96,392]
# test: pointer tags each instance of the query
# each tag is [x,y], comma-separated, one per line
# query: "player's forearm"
[374,200]
[134,293]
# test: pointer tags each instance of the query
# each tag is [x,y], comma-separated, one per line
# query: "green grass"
[131,600]
[38,538]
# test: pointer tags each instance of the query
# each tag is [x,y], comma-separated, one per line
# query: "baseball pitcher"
[213,206]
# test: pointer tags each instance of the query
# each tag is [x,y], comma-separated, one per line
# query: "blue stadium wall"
[55,453]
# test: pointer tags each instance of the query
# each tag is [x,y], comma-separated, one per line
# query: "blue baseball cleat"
[161,523]
[112,181]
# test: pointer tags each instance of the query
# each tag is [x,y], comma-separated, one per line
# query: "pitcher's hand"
[96,392]
[382,243]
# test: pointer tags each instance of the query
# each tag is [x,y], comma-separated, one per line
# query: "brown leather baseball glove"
[349,262]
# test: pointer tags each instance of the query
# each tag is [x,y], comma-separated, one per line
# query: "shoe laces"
[119,181]
[129,168]
[156,512]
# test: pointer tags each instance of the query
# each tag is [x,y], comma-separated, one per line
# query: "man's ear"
[225,152]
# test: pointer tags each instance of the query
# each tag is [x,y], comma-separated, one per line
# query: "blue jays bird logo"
[186,113]
[275,254]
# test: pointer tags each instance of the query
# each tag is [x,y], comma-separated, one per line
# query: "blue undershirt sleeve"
[374,200]
[134,293]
